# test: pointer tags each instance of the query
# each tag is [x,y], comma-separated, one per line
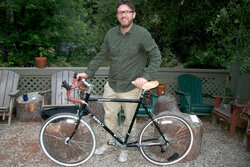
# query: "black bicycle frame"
[85,109]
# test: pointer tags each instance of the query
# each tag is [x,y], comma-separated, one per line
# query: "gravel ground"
[19,146]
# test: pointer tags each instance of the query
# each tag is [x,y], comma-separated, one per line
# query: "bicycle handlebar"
[79,84]
[147,86]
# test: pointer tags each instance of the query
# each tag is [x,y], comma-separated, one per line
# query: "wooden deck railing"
[38,79]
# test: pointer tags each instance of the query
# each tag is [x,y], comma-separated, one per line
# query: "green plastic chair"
[191,96]
[141,112]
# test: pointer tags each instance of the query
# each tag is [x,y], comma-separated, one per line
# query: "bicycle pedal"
[173,157]
[111,142]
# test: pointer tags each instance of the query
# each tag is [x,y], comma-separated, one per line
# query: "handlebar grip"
[75,74]
[66,85]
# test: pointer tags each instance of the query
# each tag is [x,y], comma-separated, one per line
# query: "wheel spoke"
[54,133]
[176,131]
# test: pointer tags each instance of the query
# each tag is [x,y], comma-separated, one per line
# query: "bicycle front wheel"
[54,140]
[170,149]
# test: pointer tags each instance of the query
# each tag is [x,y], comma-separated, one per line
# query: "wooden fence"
[214,82]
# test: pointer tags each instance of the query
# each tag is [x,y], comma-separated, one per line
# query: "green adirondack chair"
[141,112]
[191,96]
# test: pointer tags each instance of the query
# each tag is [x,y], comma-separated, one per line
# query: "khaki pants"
[113,108]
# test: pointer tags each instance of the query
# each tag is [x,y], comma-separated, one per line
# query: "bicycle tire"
[177,132]
[53,136]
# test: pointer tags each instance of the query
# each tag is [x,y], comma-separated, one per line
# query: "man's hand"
[82,75]
[139,82]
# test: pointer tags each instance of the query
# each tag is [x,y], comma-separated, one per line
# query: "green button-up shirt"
[128,56]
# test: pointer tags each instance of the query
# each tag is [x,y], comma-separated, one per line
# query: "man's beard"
[127,25]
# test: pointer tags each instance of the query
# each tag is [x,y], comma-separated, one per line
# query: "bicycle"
[69,140]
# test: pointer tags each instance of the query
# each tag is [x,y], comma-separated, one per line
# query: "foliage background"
[197,34]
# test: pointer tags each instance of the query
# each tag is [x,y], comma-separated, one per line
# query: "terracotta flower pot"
[18,64]
[160,89]
[41,62]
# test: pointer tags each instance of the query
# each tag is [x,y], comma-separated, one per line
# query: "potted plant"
[42,58]
[160,89]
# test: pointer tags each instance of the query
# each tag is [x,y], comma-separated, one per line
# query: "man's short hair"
[125,2]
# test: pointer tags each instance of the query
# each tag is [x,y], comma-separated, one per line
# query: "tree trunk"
[29,111]
[168,105]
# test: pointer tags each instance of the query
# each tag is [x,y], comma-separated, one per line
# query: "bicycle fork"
[80,113]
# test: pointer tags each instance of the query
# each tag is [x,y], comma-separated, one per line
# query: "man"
[127,47]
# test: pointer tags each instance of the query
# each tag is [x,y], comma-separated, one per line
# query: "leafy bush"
[168,59]
[32,27]
[229,39]
[212,34]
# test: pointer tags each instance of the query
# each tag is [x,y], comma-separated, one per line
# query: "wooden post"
[168,105]
[29,111]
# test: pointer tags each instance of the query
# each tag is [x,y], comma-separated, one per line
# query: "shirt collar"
[129,32]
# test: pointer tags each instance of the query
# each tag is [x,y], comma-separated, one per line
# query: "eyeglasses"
[126,12]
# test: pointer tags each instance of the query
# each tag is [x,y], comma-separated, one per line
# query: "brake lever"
[66,85]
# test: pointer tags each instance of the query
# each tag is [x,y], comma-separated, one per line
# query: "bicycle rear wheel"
[178,134]
[54,135]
